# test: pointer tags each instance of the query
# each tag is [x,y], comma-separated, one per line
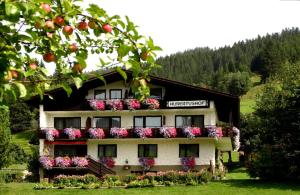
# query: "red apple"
[49,25]
[68,30]
[49,57]
[46,7]
[82,25]
[73,47]
[33,66]
[92,24]
[59,21]
[14,74]
[77,68]
[107,28]
[144,55]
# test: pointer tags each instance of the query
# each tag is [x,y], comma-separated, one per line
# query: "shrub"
[4,137]
[20,117]
[206,176]
[9,177]
[74,180]
[129,178]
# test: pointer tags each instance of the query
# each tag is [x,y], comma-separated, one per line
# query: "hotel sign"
[190,103]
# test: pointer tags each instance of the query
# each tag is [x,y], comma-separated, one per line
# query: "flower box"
[79,162]
[188,163]
[152,103]
[72,133]
[63,161]
[168,132]
[214,131]
[192,132]
[118,132]
[115,104]
[146,163]
[143,132]
[133,104]
[47,162]
[96,133]
[50,133]
[107,161]
[97,104]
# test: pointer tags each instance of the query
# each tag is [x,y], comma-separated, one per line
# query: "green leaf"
[11,9]
[122,73]
[67,89]
[128,65]
[77,81]
[123,50]
[99,76]
[39,91]
[22,89]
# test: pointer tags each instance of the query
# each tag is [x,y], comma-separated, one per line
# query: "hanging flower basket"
[118,132]
[50,133]
[79,162]
[168,132]
[188,163]
[47,162]
[96,133]
[97,104]
[107,161]
[63,161]
[133,104]
[115,104]
[152,103]
[192,132]
[143,132]
[72,133]
[146,163]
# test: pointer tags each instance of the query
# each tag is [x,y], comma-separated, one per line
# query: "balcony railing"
[52,134]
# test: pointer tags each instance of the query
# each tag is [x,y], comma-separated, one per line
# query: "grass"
[236,182]
[22,139]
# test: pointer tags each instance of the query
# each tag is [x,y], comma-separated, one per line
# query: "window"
[109,150]
[156,93]
[65,122]
[193,121]
[147,121]
[147,150]
[188,150]
[115,94]
[100,95]
[70,150]
[107,122]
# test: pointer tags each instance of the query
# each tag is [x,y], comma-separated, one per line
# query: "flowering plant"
[188,163]
[168,132]
[63,161]
[72,133]
[118,132]
[214,131]
[97,104]
[96,133]
[236,139]
[51,133]
[133,104]
[191,132]
[143,132]
[146,163]
[152,103]
[107,161]
[79,162]
[46,161]
[115,104]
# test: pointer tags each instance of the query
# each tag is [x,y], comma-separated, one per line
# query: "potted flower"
[152,103]
[107,161]
[96,133]
[133,104]
[46,162]
[50,133]
[146,163]
[192,132]
[72,133]
[63,161]
[79,162]
[168,132]
[143,132]
[188,163]
[118,132]
[97,104]
[115,104]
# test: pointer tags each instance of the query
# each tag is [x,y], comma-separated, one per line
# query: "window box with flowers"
[214,132]
[115,104]
[108,162]
[63,161]
[133,104]
[97,104]
[146,163]
[47,162]
[72,133]
[143,132]
[168,132]
[50,133]
[79,162]
[96,133]
[119,132]
[192,132]
[188,163]
[151,103]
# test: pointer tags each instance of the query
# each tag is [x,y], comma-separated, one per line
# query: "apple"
[92,24]
[14,74]
[144,55]
[33,66]
[49,25]
[77,68]
[68,30]
[107,28]
[49,57]
[82,25]
[73,47]
[46,7]
[59,21]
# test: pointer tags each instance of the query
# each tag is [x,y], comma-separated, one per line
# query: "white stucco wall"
[168,150]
